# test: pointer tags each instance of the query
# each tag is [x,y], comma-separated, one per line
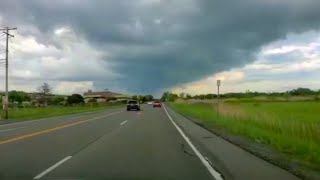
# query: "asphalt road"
[115,144]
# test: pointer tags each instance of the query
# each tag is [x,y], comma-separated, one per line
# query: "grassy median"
[41,112]
[290,127]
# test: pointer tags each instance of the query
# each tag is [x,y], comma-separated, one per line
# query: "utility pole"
[6,100]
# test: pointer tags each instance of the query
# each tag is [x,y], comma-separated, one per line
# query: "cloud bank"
[147,46]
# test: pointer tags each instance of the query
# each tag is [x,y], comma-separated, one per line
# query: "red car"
[156,104]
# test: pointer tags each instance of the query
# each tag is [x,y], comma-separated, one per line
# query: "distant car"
[157,104]
[132,104]
[150,102]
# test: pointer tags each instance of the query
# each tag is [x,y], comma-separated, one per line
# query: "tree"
[134,97]
[188,96]
[302,91]
[15,97]
[140,98]
[144,99]
[57,100]
[44,91]
[210,96]
[173,97]
[196,96]
[18,96]
[92,101]
[181,95]
[167,96]
[202,96]
[75,99]
[149,97]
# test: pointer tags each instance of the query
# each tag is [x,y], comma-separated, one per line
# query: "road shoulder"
[232,161]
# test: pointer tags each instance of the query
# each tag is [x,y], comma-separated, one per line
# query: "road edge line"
[215,174]
[52,167]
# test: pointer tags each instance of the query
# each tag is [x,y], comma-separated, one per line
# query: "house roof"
[101,94]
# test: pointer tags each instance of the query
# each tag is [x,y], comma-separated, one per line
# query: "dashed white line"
[5,130]
[123,122]
[212,171]
[52,167]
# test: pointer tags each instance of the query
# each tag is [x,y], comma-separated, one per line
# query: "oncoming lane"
[12,130]
[23,158]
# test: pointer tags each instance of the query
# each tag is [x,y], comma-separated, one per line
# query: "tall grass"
[290,127]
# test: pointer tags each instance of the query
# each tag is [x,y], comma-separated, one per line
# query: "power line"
[7,33]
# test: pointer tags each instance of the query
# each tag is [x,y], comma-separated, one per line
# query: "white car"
[150,102]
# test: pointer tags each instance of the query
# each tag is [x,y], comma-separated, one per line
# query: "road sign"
[218,96]
[218,82]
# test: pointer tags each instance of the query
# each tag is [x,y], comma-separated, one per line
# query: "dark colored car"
[132,104]
[156,104]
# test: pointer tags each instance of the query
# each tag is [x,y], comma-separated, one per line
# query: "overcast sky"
[148,46]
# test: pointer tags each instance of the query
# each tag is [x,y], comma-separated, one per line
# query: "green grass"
[290,127]
[37,113]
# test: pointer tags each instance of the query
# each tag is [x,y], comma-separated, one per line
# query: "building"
[104,96]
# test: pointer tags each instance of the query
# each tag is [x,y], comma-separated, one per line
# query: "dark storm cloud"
[166,43]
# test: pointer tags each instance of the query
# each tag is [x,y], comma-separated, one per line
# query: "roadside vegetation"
[43,104]
[51,111]
[293,95]
[292,128]
[287,122]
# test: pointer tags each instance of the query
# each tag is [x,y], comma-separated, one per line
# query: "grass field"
[290,127]
[36,113]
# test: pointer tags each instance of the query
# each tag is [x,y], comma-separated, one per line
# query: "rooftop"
[90,93]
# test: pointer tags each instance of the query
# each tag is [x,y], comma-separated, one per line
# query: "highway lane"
[24,158]
[116,144]
[126,145]
[24,127]
[147,147]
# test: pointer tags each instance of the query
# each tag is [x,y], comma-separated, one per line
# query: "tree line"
[168,96]
[42,97]
[143,98]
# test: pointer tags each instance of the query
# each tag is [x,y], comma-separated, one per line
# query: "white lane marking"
[5,130]
[212,171]
[123,122]
[43,119]
[52,167]
[207,159]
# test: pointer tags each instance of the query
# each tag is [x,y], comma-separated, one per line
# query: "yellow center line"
[52,129]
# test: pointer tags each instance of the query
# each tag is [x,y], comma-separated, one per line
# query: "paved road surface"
[116,144]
